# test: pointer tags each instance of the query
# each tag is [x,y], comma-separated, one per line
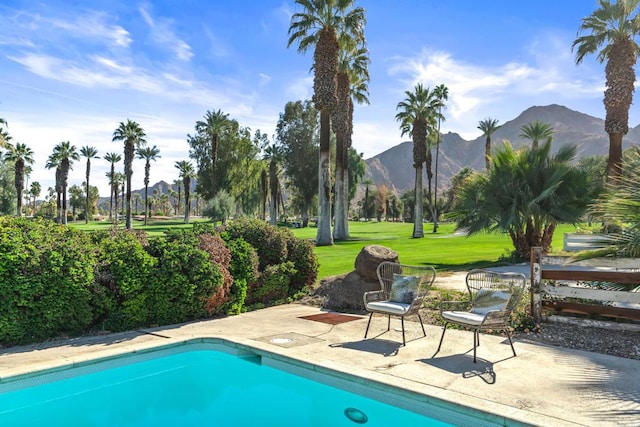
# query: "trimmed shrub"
[124,269]
[183,282]
[269,241]
[273,285]
[301,253]
[45,275]
[244,269]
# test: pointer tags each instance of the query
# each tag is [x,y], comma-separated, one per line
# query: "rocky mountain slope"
[394,167]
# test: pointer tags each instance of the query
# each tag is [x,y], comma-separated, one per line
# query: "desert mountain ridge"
[394,167]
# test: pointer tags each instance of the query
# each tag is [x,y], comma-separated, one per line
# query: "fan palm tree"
[35,191]
[442,93]
[353,79]
[89,153]
[186,172]
[62,158]
[213,125]
[488,126]
[318,25]
[134,137]
[537,131]
[526,193]
[4,136]
[417,116]
[112,158]
[148,154]
[611,30]
[20,155]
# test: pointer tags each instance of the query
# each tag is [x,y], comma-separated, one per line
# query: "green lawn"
[445,250]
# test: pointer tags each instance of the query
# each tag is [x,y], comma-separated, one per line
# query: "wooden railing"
[617,287]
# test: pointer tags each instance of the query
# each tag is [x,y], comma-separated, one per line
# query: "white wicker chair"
[398,300]
[492,298]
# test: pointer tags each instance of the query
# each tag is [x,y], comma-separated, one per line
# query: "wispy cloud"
[161,32]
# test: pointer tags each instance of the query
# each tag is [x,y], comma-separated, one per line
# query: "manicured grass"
[445,250]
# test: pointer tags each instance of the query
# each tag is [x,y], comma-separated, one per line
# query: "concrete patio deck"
[543,385]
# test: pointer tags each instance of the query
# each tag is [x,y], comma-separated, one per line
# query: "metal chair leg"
[476,342]
[368,323]
[511,342]
[388,322]
[422,324]
[444,329]
[402,322]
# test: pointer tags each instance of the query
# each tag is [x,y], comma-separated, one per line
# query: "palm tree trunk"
[187,202]
[418,226]
[487,152]
[435,184]
[86,206]
[339,212]
[614,164]
[323,236]
[128,160]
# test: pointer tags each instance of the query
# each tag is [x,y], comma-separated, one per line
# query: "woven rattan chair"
[402,291]
[492,298]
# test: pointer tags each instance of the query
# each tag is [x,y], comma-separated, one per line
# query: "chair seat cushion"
[465,317]
[404,288]
[390,307]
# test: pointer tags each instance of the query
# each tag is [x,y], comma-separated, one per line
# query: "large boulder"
[345,292]
[370,257]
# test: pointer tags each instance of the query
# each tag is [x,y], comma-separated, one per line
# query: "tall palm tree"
[186,172]
[20,155]
[62,158]
[353,79]
[272,154]
[611,30]
[488,126]
[537,131]
[35,191]
[148,154]
[417,116]
[318,25]
[89,153]
[112,158]
[133,136]
[213,125]
[442,94]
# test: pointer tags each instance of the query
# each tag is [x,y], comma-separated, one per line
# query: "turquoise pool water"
[194,387]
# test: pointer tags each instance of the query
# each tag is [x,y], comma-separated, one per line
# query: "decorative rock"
[370,257]
[345,292]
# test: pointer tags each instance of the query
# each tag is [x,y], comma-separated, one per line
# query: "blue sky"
[74,70]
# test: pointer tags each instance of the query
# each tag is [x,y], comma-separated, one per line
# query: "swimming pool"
[200,384]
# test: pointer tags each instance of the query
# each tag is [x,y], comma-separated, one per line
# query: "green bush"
[300,252]
[45,275]
[273,284]
[244,269]
[124,269]
[269,241]
[183,281]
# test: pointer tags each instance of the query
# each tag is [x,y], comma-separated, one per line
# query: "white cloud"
[164,36]
[301,88]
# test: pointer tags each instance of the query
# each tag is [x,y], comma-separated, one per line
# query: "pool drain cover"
[356,415]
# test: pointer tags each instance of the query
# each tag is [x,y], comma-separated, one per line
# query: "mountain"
[394,167]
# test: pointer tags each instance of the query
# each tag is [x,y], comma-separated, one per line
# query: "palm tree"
[442,94]
[526,193]
[62,158]
[89,153]
[272,154]
[4,136]
[20,155]
[537,131]
[112,158]
[488,126]
[417,117]
[186,172]
[318,25]
[148,154]
[213,125]
[178,184]
[134,137]
[34,191]
[611,32]
[353,79]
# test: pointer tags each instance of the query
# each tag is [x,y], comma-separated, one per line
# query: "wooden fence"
[618,287]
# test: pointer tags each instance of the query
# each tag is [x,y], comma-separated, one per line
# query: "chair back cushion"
[490,300]
[404,288]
